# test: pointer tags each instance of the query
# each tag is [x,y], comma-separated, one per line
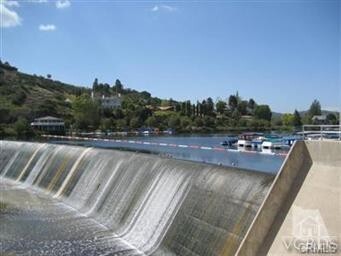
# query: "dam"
[69,200]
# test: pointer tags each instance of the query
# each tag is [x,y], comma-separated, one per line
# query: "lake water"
[194,148]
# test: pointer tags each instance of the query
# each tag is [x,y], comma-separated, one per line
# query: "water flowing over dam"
[67,200]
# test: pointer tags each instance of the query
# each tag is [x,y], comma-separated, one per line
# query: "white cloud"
[47,27]
[9,18]
[61,4]
[164,8]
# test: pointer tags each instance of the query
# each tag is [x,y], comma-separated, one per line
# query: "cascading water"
[86,201]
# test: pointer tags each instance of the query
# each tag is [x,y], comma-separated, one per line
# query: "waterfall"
[152,205]
[29,162]
[70,174]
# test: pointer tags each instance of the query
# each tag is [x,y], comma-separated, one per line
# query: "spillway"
[68,200]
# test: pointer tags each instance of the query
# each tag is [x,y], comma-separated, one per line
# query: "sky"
[281,53]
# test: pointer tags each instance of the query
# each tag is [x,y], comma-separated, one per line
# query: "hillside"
[31,96]
[24,97]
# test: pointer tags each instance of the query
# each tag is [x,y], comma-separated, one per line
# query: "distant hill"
[324,112]
[278,115]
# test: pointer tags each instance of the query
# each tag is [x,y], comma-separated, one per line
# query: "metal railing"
[322,132]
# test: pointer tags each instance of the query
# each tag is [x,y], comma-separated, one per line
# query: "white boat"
[272,144]
[244,143]
[245,139]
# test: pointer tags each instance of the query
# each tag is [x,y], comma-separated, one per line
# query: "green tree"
[178,107]
[233,102]
[135,123]
[85,112]
[276,121]
[209,106]
[332,119]
[185,122]
[221,106]
[18,98]
[251,104]
[199,110]
[151,121]
[242,107]
[121,124]
[145,94]
[173,122]
[2,132]
[297,119]
[236,115]
[198,122]
[209,121]
[315,108]
[263,112]
[106,124]
[288,119]
[188,111]
[22,128]
[118,86]
[118,113]
[5,114]
[204,108]
[95,85]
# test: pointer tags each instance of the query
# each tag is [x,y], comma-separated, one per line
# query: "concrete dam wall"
[67,200]
[301,214]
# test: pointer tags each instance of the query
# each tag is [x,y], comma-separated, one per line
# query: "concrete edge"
[277,202]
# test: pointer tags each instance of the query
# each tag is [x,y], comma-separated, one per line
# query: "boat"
[230,140]
[273,141]
[245,139]
[257,142]
[145,131]
[290,139]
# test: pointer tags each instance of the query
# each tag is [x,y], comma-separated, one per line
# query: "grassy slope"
[29,96]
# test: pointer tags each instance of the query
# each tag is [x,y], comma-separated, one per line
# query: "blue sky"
[282,53]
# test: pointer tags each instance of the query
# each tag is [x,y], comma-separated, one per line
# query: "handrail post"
[321,131]
[340,125]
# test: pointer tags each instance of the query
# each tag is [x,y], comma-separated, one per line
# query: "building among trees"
[49,124]
[110,102]
[319,119]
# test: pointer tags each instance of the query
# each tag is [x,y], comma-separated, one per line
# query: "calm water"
[195,148]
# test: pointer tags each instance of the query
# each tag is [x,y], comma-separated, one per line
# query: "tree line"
[139,109]
[24,97]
